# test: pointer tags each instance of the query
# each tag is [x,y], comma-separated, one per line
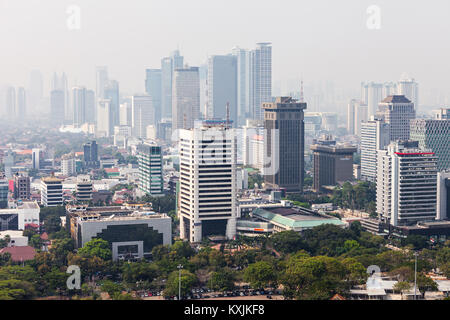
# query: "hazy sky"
[318,39]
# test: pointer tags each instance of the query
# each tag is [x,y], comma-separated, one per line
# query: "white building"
[207,197]
[51,192]
[68,167]
[26,212]
[409,88]
[142,115]
[406,184]
[104,118]
[17,239]
[374,136]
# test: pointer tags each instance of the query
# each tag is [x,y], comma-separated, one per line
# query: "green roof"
[308,222]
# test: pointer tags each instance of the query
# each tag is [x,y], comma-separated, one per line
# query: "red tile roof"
[19,254]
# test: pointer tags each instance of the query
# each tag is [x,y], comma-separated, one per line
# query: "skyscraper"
[105,125]
[79,105]
[371,95]
[51,192]
[207,194]
[90,154]
[36,91]
[186,98]
[150,169]
[261,78]
[375,135]
[434,134]
[284,144]
[11,103]
[101,81]
[243,84]
[168,65]
[406,184]
[21,105]
[222,86]
[111,92]
[409,88]
[142,115]
[397,111]
[153,87]
[57,98]
[61,84]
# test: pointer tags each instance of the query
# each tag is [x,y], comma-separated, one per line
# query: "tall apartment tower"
[142,115]
[150,169]
[153,88]
[185,98]
[333,163]
[406,184]
[434,134]
[222,86]
[207,195]
[372,95]
[261,78]
[68,167]
[375,135]
[284,144]
[357,112]
[397,111]
[51,192]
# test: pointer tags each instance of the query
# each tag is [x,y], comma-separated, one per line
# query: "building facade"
[150,169]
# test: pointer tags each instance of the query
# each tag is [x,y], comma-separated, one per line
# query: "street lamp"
[179,280]
[415,275]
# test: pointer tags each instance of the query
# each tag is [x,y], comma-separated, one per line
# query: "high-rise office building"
[68,167]
[243,84]
[207,194]
[60,84]
[261,78]
[105,125]
[186,98]
[434,135]
[284,144]
[125,114]
[90,154]
[222,86]
[21,104]
[150,169]
[406,183]
[409,88]
[142,114]
[372,95]
[374,136]
[101,81]
[57,103]
[111,92]
[51,192]
[36,156]
[90,105]
[79,105]
[168,65]
[333,163]
[84,188]
[11,103]
[397,111]
[443,195]
[153,87]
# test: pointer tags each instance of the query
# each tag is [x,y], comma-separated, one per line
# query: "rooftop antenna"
[302,98]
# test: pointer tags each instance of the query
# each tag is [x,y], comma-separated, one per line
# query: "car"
[269,297]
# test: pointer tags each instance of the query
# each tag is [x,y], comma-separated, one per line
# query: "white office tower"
[243,84]
[125,114]
[374,136]
[104,118]
[372,94]
[207,195]
[443,195]
[168,65]
[406,184]
[253,144]
[84,188]
[351,116]
[79,106]
[68,167]
[185,98]
[357,112]
[142,115]
[409,88]
[397,111]
[261,78]
[51,192]
[222,86]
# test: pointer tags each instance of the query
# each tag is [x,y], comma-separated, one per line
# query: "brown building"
[332,163]
[21,187]
[284,144]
